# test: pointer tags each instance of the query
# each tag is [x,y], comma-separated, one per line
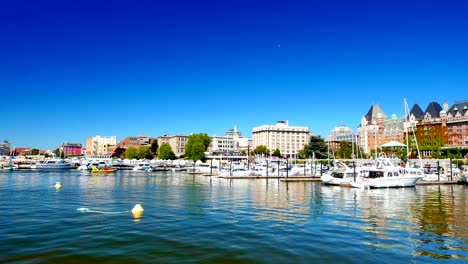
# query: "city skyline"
[76,70]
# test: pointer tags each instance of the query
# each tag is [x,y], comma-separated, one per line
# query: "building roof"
[460,107]
[433,109]
[373,112]
[417,112]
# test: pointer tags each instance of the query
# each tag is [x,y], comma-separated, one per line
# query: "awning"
[393,144]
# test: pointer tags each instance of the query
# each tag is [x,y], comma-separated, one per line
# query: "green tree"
[318,146]
[196,151]
[196,146]
[243,152]
[145,153]
[154,147]
[166,153]
[34,151]
[344,150]
[261,149]
[118,153]
[131,153]
[276,153]
[302,154]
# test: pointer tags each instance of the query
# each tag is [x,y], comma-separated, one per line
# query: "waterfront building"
[4,148]
[394,129]
[371,129]
[437,127]
[431,131]
[457,124]
[20,151]
[342,133]
[416,115]
[376,129]
[100,146]
[136,142]
[71,149]
[231,143]
[177,143]
[290,140]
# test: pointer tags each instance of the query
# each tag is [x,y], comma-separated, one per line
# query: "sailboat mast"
[414,136]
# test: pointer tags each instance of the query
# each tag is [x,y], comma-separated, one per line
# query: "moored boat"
[385,174]
[53,164]
[95,169]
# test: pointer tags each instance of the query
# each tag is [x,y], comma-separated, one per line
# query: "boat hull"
[392,182]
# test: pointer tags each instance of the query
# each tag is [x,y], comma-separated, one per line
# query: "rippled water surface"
[200,219]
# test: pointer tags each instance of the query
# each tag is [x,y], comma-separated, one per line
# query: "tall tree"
[318,146]
[34,151]
[166,152]
[196,146]
[131,153]
[145,153]
[118,153]
[154,147]
[345,150]
[276,153]
[261,149]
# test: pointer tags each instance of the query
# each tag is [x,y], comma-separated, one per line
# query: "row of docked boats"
[383,173]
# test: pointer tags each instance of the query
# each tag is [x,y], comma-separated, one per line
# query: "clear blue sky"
[75,69]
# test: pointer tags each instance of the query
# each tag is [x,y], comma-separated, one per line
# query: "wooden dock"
[438,182]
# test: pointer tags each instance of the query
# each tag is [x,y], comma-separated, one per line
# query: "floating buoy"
[58,185]
[137,211]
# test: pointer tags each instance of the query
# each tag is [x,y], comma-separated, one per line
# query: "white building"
[342,133]
[288,139]
[231,142]
[99,146]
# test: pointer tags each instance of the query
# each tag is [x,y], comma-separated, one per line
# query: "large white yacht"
[385,174]
[53,164]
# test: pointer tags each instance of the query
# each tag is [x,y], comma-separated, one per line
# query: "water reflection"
[432,217]
[221,219]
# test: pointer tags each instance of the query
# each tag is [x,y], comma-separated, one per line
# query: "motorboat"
[96,170]
[341,174]
[385,174]
[53,164]
[145,166]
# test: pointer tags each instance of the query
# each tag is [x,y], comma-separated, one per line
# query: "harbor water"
[200,219]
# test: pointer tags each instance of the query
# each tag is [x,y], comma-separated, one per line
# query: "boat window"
[375,174]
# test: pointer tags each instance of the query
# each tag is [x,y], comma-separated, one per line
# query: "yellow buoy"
[137,211]
[58,185]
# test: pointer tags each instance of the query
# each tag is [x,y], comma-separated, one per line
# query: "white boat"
[236,172]
[385,174]
[207,168]
[342,174]
[304,169]
[143,167]
[53,164]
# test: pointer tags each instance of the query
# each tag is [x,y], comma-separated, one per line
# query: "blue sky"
[75,69]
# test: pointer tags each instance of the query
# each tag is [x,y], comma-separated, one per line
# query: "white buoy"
[137,208]
[58,185]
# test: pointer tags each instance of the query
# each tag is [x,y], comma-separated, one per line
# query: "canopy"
[393,144]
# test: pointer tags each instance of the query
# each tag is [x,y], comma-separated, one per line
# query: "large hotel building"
[288,139]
